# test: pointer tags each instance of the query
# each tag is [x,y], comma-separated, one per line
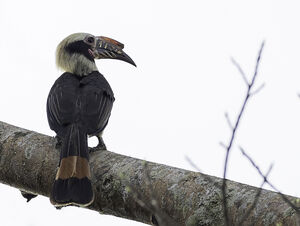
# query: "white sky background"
[173,103]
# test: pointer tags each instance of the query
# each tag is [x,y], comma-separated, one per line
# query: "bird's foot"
[100,147]
[91,150]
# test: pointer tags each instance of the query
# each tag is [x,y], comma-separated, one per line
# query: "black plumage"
[77,106]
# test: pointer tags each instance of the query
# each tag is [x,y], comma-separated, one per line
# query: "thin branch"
[223,145]
[257,63]
[192,164]
[235,63]
[207,177]
[258,89]
[228,120]
[296,208]
[247,214]
[248,95]
[253,163]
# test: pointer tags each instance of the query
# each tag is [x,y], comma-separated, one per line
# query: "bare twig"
[248,95]
[247,214]
[258,89]
[223,145]
[296,208]
[240,70]
[199,170]
[192,164]
[228,120]
[253,163]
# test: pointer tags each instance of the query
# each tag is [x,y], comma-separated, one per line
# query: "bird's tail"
[72,185]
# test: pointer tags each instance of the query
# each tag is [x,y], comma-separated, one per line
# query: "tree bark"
[28,161]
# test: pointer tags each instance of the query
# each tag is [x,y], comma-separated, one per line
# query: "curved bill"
[107,48]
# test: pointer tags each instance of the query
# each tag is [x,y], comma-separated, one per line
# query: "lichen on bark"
[28,161]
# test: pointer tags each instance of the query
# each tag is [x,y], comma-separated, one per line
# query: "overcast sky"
[172,105]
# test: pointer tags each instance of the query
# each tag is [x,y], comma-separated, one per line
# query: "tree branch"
[28,161]
[236,125]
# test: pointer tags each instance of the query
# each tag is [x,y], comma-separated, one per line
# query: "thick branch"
[28,161]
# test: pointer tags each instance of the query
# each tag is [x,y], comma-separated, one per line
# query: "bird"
[79,105]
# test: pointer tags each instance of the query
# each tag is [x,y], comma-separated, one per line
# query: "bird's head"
[77,52]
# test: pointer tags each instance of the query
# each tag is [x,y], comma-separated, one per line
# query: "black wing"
[85,101]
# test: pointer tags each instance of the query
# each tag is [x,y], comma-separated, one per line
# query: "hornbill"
[79,105]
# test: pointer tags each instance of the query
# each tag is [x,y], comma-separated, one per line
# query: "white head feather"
[74,63]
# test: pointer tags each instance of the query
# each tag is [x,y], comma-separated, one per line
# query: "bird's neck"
[76,64]
[82,66]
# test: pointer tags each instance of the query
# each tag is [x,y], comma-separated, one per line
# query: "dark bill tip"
[107,48]
[126,58]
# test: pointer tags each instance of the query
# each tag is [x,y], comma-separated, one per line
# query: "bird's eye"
[90,40]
